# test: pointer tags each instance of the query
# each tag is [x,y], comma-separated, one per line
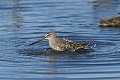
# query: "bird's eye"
[47,35]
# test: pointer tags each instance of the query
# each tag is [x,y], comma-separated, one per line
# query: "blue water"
[24,21]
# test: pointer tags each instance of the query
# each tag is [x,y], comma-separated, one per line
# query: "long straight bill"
[37,41]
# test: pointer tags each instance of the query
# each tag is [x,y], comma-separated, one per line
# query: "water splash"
[94,45]
[67,40]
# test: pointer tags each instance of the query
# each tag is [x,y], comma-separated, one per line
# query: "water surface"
[24,21]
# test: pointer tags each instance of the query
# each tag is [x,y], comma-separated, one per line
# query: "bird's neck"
[52,39]
[52,42]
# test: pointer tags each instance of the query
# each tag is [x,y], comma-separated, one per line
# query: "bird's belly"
[55,47]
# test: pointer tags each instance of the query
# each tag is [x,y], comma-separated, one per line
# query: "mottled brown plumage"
[60,44]
[113,22]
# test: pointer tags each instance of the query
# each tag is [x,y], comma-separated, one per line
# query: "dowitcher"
[60,44]
[113,22]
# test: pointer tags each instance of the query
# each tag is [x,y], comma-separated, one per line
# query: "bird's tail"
[85,44]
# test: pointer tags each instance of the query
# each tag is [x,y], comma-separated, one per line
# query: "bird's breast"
[55,46]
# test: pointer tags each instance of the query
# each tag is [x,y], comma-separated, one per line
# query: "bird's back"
[68,45]
[115,21]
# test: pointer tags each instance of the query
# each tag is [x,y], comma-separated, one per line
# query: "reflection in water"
[55,62]
[52,54]
[102,8]
[105,4]
[16,16]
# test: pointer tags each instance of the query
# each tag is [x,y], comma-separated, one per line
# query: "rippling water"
[24,21]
